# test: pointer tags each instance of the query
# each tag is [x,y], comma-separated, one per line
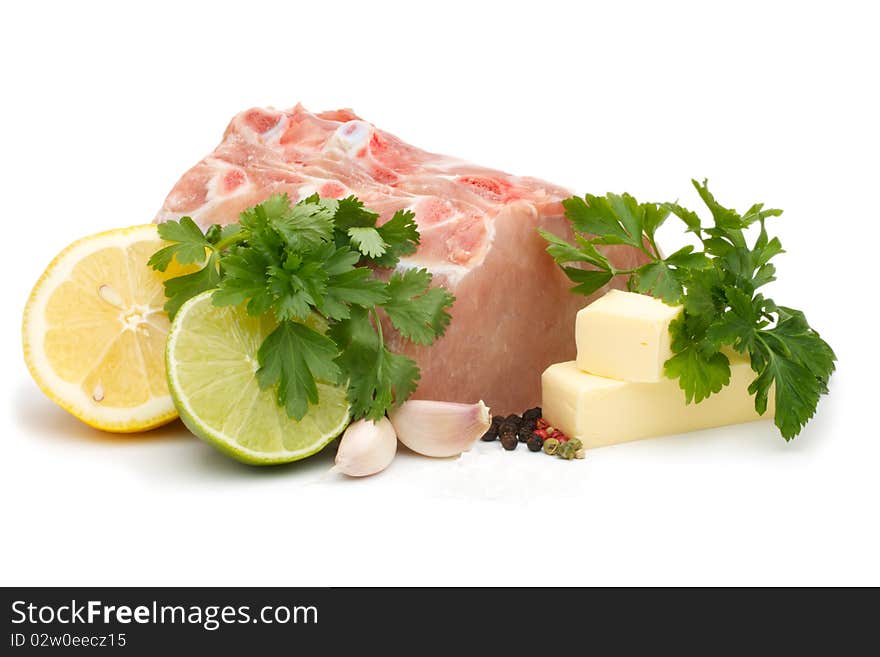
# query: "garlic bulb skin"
[435,428]
[366,448]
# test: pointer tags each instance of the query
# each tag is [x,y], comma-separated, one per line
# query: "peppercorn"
[526,429]
[550,446]
[536,443]
[581,453]
[575,443]
[509,428]
[541,423]
[566,451]
[509,441]
[492,433]
[533,414]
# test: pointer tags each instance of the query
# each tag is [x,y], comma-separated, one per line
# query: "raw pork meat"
[514,314]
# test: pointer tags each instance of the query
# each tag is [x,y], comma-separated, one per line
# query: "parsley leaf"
[416,310]
[379,379]
[718,288]
[804,344]
[305,225]
[311,267]
[182,288]
[562,251]
[244,280]
[613,219]
[401,237]
[654,216]
[659,280]
[354,287]
[368,241]
[189,244]
[297,286]
[350,213]
[292,357]
[797,363]
[796,392]
[588,280]
[701,370]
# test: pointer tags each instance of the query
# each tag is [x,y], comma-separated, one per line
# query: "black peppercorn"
[509,427]
[510,423]
[533,414]
[525,431]
[536,443]
[527,428]
[509,441]
[492,433]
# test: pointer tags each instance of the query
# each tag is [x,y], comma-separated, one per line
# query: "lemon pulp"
[94,331]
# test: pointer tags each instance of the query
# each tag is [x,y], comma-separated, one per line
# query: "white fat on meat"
[514,312]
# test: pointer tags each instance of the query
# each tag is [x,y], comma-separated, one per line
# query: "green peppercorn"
[550,446]
[576,443]
[566,451]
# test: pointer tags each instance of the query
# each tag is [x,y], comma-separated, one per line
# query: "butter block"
[601,411]
[625,336]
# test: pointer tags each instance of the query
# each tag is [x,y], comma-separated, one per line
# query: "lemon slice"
[212,364]
[94,331]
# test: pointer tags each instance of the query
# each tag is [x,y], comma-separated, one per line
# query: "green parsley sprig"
[718,287]
[313,265]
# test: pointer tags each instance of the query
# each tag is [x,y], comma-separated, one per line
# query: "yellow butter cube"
[625,336]
[601,411]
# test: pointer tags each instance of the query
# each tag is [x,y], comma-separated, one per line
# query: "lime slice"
[211,358]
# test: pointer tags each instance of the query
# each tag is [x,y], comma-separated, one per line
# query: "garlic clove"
[366,448]
[436,428]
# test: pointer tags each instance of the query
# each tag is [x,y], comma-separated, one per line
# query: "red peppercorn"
[541,423]
[540,432]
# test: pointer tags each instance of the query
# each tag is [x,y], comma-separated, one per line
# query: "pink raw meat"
[514,313]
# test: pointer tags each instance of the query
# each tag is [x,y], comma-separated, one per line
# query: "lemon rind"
[70,396]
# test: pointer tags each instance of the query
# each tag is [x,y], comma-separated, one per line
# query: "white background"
[104,106]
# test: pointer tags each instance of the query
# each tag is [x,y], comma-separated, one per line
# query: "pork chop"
[514,314]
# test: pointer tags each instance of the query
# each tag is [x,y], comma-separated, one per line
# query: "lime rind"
[211,363]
